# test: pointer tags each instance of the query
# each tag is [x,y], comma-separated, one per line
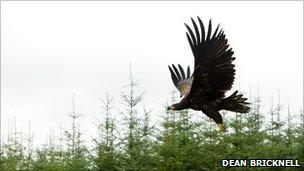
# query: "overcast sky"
[51,49]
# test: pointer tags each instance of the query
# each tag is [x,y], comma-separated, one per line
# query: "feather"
[191,34]
[173,76]
[177,73]
[188,72]
[214,34]
[202,29]
[196,31]
[190,42]
[209,30]
[182,72]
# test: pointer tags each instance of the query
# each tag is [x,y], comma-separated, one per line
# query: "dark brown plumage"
[213,75]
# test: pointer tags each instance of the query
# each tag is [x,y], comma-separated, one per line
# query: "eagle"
[213,75]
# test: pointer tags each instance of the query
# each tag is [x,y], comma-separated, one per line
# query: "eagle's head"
[171,107]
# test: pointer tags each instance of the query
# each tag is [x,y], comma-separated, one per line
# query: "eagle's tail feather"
[235,103]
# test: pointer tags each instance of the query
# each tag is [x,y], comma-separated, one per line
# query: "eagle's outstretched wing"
[213,68]
[181,80]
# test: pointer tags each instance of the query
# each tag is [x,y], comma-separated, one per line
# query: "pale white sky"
[51,49]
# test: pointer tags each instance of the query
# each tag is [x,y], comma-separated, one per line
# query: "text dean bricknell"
[260,163]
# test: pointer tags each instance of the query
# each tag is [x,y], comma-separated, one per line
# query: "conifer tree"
[77,153]
[179,141]
[13,149]
[148,158]
[28,158]
[132,139]
[105,146]
[299,139]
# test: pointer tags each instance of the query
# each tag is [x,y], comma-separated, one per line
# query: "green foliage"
[137,142]
[179,146]
[12,153]
[77,154]
[105,147]
[182,140]
[49,159]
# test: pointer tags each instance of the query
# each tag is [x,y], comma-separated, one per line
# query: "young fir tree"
[13,150]
[105,147]
[132,140]
[274,132]
[299,139]
[50,156]
[179,146]
[77,154]
[291,147]
[288,144]
[27,163]
[148,144]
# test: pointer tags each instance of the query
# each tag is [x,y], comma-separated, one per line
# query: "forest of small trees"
[184,140]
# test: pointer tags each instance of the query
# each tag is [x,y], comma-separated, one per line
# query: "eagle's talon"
[222,127]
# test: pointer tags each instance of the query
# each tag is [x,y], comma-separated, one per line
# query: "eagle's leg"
[216,116]
[222,127]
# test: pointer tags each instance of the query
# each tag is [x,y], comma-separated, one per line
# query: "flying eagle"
[213,75]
